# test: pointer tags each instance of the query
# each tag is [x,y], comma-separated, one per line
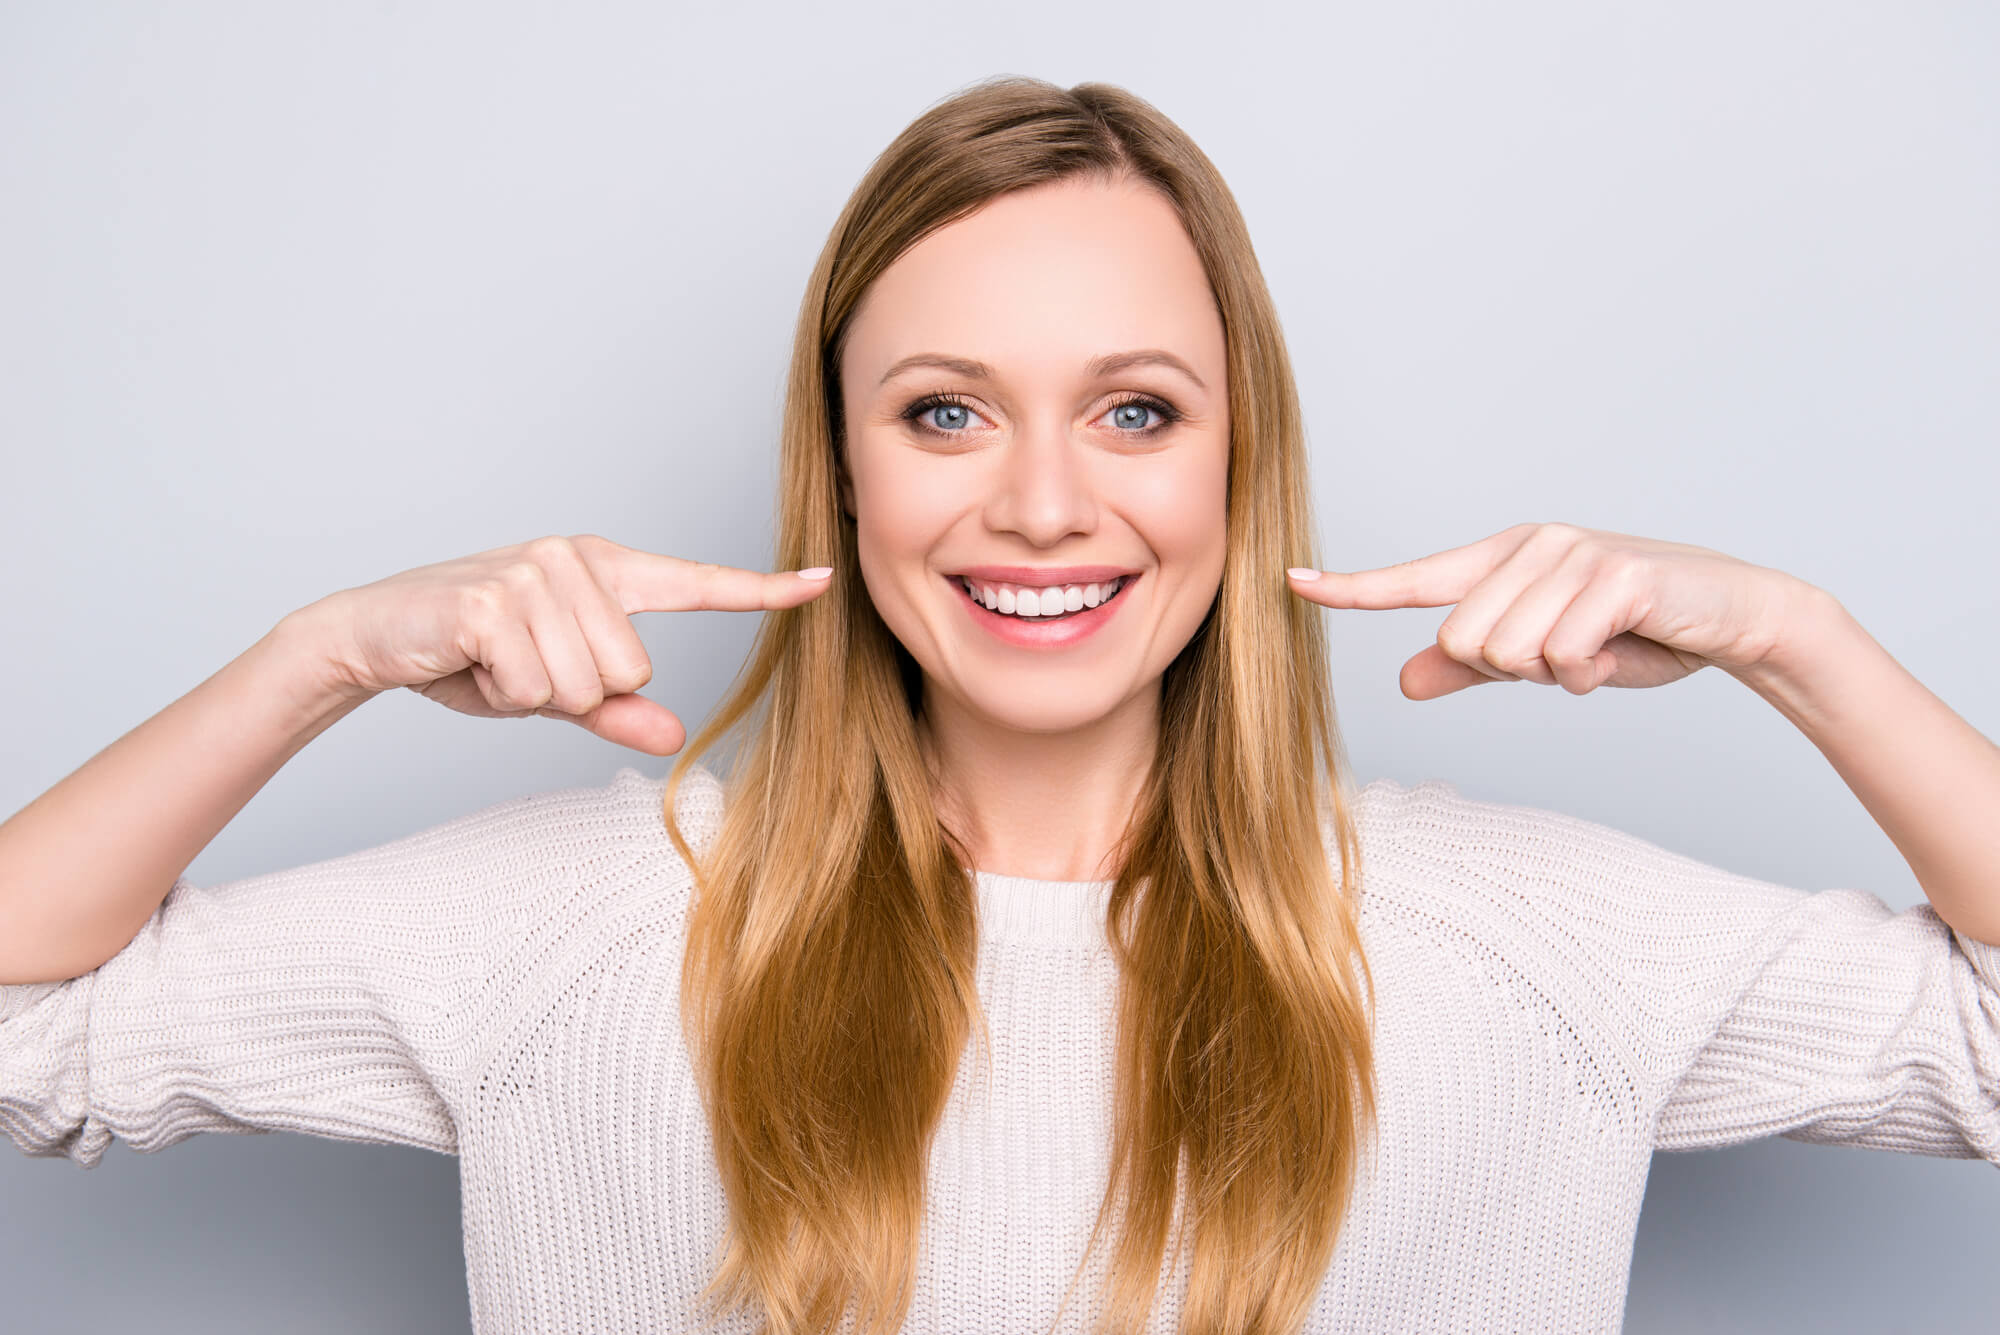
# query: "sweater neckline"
[1063,913]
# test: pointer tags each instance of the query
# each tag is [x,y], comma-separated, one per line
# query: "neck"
[1045,806]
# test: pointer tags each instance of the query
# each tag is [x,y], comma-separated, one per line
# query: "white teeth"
[1042,602]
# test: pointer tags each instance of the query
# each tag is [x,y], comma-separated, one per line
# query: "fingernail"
[816,572]
[1301,573]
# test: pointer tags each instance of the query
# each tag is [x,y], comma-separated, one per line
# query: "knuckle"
[1454,641]
[578,702]
[483,600]
[512,687]
[1626,569]
[524,574]
[1583,556]
[630,677]
[701,578]
[550,548]
[1560,656]
[590,546]
[497,695]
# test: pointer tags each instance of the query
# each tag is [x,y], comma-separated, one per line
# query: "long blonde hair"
[829,985]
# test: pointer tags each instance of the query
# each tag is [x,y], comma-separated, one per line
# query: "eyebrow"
[1101,366]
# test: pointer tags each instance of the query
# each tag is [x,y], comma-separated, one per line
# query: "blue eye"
[939,414]
[1130,416]
[948,415]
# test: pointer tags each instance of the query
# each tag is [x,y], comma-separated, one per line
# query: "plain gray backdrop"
[296,296]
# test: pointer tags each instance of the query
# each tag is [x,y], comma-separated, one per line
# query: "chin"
[1018,713]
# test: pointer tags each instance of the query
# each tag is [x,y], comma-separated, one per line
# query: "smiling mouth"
[1007,604]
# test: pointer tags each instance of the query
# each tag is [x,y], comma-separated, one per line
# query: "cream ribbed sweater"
[1557,1000]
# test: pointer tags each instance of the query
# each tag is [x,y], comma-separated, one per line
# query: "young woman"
[1037,750]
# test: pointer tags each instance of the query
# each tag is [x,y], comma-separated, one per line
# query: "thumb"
[631,721]
[1434,673]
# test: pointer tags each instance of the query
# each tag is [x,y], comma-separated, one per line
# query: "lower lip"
[1037,633]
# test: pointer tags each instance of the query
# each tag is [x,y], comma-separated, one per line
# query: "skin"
[1038,754]
[1560,605]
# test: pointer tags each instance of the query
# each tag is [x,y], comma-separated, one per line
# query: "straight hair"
[828,987]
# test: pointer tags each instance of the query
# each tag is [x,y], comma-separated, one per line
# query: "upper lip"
[1043,577]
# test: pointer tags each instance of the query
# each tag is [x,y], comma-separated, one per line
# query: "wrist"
[1820,643]
[307,646]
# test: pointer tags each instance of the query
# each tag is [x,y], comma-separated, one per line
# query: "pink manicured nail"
[1301,573]
[816,572]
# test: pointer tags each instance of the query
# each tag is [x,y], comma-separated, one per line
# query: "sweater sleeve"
[341,999]
[1748,1009]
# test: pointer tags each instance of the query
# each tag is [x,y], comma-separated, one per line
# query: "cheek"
[904,506]
[1184,512]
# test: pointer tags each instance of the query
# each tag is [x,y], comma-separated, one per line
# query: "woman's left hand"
[1576,607]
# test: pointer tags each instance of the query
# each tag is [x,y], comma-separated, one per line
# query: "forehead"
[1044,280]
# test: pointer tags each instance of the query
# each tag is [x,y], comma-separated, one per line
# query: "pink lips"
[1035,633]
[1042,577]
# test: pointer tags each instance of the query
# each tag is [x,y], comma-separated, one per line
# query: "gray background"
[293,297]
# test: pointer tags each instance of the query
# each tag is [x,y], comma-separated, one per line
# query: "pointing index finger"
[1437,580]
[650,582]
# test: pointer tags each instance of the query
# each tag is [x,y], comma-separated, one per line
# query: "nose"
[1042,489]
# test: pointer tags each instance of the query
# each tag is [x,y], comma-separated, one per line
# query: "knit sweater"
[1555,1001]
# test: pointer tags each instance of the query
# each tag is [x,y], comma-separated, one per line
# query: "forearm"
[83,866]
[1929,778]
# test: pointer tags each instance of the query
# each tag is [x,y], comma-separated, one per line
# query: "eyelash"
[1168,415]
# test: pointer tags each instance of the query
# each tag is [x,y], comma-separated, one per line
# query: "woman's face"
[1035,401]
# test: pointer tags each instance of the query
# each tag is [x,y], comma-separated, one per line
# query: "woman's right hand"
[537,628]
